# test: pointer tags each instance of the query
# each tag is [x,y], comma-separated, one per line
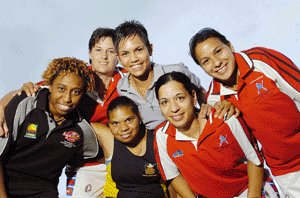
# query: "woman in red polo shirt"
[211,154]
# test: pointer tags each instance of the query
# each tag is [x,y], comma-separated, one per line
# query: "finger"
[237,112]
[203,111]
[218,109]
[5,129]
[230,113]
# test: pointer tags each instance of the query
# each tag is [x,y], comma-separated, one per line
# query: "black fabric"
[34,162]
[135,176]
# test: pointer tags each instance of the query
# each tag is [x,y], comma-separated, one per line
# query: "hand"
[225,109]
[204,111]
[30,88]
[3,125]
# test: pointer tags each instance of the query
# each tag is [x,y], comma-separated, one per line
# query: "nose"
[217,61]
[123,126]
[174,106]
[133,58]
[104,54]
[67,97]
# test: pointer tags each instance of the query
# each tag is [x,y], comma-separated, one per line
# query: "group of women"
[157,139]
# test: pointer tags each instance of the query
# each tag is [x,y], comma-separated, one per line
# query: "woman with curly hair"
[46,132]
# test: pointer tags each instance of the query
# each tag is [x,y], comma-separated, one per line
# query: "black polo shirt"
[37,149]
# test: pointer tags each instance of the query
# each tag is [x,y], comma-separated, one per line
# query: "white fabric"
[289,184]
[169,167]
[89,181]
[239,134]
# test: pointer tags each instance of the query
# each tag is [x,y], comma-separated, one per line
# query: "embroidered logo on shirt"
[149,169]
[31,131]
[260,86]
[223,139]
[178,153]
[70,138]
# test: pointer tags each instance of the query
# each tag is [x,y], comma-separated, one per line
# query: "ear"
[90,55]
[151,49]
[194,96]
[231,47]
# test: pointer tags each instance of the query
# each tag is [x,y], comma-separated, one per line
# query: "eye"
[77,92]
[204,62]
[129,120]
[163,102]
[180,98]
[98,50]
[219,50]
[60,89]
[111,51]
[124,53]
[114,123]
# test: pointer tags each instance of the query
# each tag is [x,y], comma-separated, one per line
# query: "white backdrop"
[35,31]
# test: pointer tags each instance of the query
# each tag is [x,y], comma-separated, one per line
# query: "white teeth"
[222,69]
[135,67]
[63,107]
[125,136]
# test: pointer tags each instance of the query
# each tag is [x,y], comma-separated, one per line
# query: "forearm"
[105,138]
[7,98]
[255,175]
[181,187]
[2,185]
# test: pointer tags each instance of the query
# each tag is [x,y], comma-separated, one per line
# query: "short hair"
[123,101]
[67,65]
[128,29]
[203,35]
[98,34]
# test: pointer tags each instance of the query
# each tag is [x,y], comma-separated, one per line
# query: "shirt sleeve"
[247,144]
[166,166]
[279,68]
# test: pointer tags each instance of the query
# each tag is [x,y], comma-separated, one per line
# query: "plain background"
[33,32]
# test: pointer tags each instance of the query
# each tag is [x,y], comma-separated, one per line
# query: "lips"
[222,70]
[125,136]
[136,67]
[63,107]
[177,117]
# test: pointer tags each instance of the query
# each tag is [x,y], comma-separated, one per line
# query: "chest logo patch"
[71,136]
[260,87]
[178,153]
[149,169]
[223,139]
[31,131]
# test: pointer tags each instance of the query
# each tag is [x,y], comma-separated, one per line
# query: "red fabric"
[270,113]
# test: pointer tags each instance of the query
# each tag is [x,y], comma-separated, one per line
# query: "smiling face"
[66,91]
[103,56]
[124,124]
[177,105]
[216,58]
[134,56]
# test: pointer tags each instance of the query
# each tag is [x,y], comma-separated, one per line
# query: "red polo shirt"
[213,166]
[95,109]
[268,95]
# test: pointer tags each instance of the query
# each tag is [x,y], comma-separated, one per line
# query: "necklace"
[140,148]
[141,90]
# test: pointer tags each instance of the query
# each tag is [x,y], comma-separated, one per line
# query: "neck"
[193,131]
[143,83]
[232,82]
[138,138]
